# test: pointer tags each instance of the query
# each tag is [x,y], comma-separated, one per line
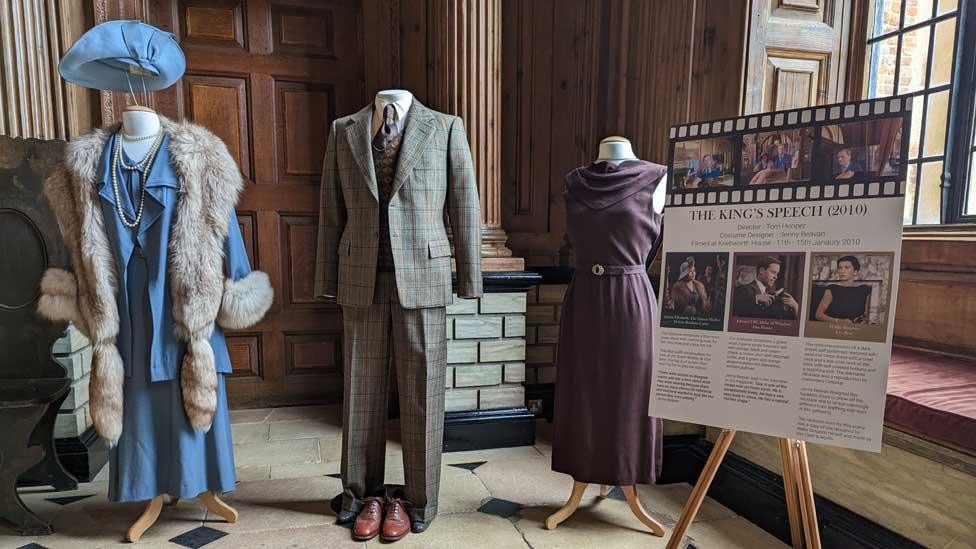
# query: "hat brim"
[101,75]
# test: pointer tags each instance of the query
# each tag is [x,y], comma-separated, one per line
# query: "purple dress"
[601,431]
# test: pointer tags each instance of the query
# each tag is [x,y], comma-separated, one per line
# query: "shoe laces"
[395,506]
[373,507]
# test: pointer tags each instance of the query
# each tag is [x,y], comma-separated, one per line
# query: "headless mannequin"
[615,150]
[139,122]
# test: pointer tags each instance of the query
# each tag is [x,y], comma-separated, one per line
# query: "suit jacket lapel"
[417,133]
[358,137]
[759,289]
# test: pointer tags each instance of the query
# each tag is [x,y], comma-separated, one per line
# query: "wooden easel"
[210,500]
[629,492]
[796,481]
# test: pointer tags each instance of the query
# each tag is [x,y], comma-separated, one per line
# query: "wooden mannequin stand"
[796,481]
[210,500]
[629,492]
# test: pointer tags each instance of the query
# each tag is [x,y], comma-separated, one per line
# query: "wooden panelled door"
[268,77]
[797,53]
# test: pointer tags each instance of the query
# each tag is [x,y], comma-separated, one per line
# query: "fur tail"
[198,378]
[105,391]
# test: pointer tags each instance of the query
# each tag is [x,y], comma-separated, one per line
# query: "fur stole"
[210,183]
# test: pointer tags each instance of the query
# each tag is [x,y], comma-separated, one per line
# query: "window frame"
[956,177]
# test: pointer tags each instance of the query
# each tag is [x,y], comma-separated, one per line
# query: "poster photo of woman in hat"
[695,291]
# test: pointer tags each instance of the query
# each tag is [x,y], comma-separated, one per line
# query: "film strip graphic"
[816,186]
[794,193]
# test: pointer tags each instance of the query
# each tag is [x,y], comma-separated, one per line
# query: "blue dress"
[158,452]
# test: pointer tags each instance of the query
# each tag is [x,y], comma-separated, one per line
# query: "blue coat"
[158,451]
[162,189]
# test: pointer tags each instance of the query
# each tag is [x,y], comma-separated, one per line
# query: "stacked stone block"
[486,352]
[545,303]
[74,352]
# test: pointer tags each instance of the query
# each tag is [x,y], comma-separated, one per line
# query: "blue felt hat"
[114,54]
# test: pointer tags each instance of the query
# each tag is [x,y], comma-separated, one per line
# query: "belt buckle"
[598,269]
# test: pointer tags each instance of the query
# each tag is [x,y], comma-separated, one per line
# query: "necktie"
[388,131]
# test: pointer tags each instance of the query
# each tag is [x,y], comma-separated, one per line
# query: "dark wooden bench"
[32,384]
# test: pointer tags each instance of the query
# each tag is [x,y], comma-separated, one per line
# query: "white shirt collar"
[400,106]
[762,287]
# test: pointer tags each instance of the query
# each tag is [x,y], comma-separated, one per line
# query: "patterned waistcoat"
[385,165]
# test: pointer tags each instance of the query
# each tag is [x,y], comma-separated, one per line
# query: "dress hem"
[598,480]
[181,495]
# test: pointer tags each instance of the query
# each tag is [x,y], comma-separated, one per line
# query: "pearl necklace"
[141,165]
[144,165]
[128,137]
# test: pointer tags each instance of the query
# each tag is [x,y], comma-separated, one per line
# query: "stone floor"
[288,461]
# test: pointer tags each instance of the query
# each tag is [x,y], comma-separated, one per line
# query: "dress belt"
[597,269]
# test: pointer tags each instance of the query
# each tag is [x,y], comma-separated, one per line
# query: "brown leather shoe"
[369,520]
[397,521]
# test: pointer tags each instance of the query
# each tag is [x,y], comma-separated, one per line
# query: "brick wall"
[914,48]
[74,352]
[486,352]
[545,303]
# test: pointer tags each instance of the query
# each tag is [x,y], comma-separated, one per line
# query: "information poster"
[780,271]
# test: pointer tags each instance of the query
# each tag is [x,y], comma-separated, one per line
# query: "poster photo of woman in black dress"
[846,301]
[849,296]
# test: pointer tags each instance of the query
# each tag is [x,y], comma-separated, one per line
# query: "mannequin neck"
[400,100]
[139,122]
[394,96]
[615,151]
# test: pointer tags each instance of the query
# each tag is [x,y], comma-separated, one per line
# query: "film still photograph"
[860,150]
[695,288]
[781,156]
[850,294]
[767,289]
[704,163]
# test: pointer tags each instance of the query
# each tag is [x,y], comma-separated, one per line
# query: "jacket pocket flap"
[439,248]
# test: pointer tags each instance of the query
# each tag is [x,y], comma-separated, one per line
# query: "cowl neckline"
[601,184]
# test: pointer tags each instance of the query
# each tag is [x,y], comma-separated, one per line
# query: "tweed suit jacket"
[434,175]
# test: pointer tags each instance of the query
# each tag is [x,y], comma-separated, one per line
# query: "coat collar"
[417,133]
[160,176]
[357,135]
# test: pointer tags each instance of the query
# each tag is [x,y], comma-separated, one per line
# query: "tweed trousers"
[416,340]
